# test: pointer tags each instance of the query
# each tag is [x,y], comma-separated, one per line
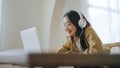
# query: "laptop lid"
[30,40]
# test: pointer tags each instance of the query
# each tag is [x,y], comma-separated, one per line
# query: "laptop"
[30,40]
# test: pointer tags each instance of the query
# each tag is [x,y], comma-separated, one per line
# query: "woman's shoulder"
[89,30]
[91,33]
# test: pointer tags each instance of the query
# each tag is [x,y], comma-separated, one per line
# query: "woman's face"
[69,27]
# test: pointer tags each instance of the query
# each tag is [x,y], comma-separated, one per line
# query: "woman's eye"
[68,24]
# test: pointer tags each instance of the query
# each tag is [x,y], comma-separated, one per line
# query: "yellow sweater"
[95,46]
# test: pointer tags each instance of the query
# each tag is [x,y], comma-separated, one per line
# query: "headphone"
[82,22]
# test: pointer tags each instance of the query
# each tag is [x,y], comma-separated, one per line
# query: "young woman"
[81,37]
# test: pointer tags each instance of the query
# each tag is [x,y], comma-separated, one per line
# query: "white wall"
[16,16]
[46,15]
[48,8]
[0,19]
[78,5]
[56,35]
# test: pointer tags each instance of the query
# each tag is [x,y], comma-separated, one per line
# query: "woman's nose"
[65,28]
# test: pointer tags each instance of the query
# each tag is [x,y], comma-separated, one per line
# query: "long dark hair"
[74,18]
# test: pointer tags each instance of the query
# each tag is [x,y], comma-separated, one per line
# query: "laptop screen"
[30,40]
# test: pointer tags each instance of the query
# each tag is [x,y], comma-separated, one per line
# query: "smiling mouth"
[68,32]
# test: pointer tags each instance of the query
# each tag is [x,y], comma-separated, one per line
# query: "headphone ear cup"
[82,23]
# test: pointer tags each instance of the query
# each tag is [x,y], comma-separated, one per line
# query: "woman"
[81,37]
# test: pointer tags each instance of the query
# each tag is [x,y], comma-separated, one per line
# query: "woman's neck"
[75,38]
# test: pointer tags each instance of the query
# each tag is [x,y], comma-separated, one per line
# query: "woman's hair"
[74,18]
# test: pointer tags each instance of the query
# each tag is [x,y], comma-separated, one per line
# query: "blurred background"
[47,15]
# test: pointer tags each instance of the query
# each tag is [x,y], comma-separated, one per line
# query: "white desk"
[20,58]
[16,57]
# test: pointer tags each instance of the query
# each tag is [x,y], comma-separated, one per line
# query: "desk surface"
[16,57]
[72,59]
[19,57]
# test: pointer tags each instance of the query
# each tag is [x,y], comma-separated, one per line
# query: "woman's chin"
[69,35]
